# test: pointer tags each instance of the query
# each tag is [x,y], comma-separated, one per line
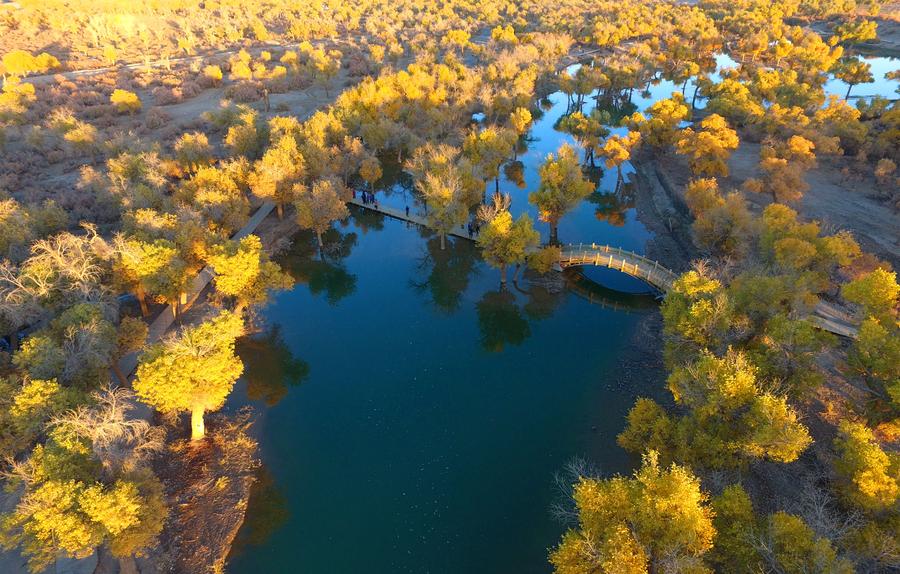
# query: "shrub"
[190,89]
[244,92]
[166,96]
[212,76]
[156,118]
[125,101]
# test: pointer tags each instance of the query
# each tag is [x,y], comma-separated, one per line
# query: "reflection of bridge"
[594,293]
[825,316]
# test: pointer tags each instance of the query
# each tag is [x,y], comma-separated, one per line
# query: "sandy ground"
[888,43]
[888,34]
[833,200]
[836,201]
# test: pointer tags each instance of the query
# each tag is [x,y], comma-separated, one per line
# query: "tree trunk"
[123,380]
[554,232]
[319,238]
[279,209]
[198,430]
[180,304]
[497,181]
[694,99]
[516,272]
[503,275]
[142,299]
[443,243]
[847,97]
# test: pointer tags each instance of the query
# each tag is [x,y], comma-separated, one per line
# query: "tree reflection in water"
[611,207]
[501,321]
[515,172]
[448,272]
[365,220]
[544,297]
[324,272]
[270,368]
[267,511]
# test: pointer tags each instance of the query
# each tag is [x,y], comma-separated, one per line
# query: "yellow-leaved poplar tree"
[193,371]
[634,525]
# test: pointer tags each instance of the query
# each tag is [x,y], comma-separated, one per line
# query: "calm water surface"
[413,415]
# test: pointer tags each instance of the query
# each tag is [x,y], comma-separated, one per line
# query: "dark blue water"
[413,414]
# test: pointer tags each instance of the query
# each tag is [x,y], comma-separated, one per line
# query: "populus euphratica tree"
[193,371]
[708,148]
[638,524]
[503,241]
[318,206]
[446,200]
[562,188]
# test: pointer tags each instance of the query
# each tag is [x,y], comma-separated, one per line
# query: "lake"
[413,415]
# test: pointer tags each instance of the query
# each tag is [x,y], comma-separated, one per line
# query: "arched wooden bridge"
[826,316]
[627,262]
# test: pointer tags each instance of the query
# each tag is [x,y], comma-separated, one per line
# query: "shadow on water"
[270,367]
[322,271]
[501,321]
[365,220]
[270,513]
[443,275]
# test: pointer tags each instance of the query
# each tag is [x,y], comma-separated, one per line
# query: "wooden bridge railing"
[627,262]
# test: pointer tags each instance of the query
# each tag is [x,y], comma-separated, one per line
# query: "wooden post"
[610,261]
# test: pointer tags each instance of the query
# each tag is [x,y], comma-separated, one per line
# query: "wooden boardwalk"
[829,318]
[826,316]
[413,217]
